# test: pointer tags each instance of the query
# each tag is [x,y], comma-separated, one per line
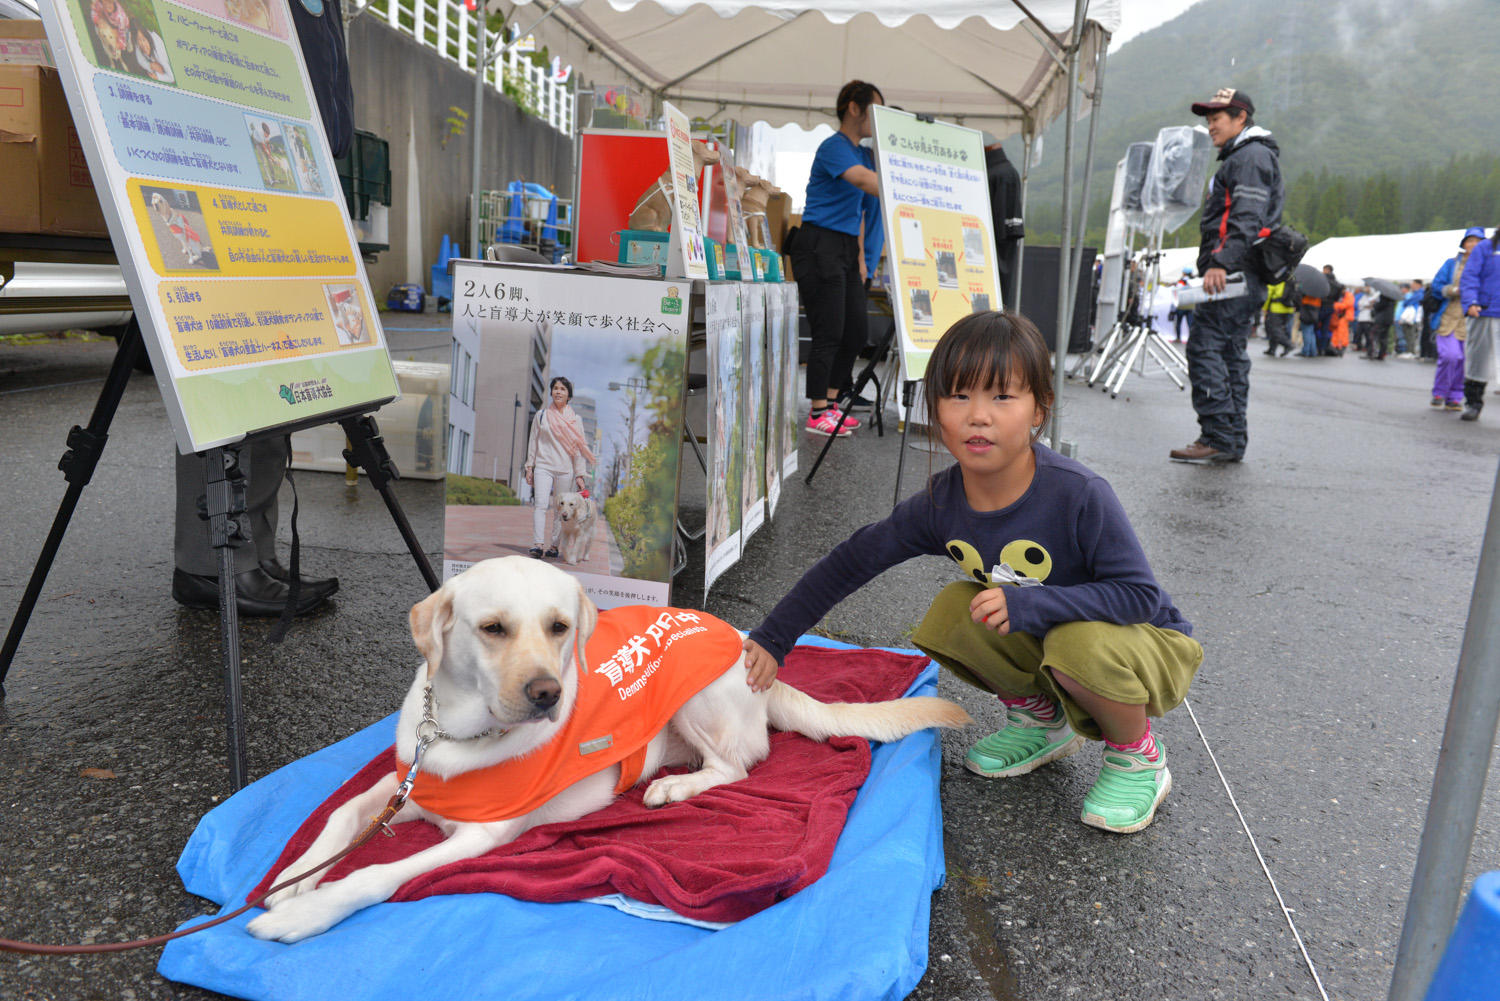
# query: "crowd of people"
[1419,319]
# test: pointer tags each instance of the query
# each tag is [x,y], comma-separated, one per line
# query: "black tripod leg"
[367,451]
[224,504]
[908,394]
[77,464]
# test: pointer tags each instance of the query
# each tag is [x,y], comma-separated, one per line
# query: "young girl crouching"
[1059,613]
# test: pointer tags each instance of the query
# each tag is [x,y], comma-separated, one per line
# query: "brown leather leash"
[36,948]
[428,733]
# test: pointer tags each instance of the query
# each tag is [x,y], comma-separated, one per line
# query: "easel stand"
[866,376]
[224,508]
[908,397]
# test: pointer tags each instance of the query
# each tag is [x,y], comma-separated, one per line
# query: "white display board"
[596,477]
[208,154]
[935,201]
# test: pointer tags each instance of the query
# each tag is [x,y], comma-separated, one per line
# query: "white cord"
[1285,911]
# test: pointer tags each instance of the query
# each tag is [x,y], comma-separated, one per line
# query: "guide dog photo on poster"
[575,451]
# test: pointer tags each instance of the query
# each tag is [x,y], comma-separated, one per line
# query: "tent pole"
[1458,784]
[1088,170]
[1063,291]
[1015,281]
[481,46]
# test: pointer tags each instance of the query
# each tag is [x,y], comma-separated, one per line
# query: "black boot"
[1473,400]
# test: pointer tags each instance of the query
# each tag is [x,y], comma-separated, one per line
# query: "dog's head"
[572,507]
[506,630]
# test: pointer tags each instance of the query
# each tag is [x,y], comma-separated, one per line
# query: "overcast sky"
[1137,16]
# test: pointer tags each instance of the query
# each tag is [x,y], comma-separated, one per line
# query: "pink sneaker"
[849,421]
[824,422]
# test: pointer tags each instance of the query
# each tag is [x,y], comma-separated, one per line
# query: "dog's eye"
[559,627]
[494,628]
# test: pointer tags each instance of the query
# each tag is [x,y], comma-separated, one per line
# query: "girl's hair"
[565,383]
[855,92]
[989,349]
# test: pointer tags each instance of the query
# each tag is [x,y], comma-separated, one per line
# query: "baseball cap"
[1226,97]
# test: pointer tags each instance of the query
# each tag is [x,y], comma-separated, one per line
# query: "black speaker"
[1039,294]
[1137,160]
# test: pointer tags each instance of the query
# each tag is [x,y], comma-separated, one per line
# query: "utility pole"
[633,386]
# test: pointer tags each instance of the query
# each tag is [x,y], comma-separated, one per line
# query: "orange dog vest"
[644,663]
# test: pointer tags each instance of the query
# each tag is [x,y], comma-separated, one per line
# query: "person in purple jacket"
[1059,613]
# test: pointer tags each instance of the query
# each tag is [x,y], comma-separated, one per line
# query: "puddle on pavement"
[984,950]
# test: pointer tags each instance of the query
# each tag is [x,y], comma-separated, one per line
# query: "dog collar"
[428,729]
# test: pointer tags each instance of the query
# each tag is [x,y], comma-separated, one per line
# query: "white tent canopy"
[1398,257]
[986,64]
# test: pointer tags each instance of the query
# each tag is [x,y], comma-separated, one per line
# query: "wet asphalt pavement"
[1328,577]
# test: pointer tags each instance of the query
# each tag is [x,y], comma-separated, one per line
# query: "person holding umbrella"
[1244,197]
[1382,313]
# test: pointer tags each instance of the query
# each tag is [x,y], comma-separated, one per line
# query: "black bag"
[1276,254]
[789,242]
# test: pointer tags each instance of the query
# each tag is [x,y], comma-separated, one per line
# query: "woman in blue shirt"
[840,233]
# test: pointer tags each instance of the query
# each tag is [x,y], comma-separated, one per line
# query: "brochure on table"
[688,258]
[597,479]
[935,201]
[209,158]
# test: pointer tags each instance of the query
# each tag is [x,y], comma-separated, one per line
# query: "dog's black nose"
[543,692]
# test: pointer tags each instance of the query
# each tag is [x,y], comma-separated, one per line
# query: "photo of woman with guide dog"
[557,467]
[574,450]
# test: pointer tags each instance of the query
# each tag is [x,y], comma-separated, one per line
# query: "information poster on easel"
[791,388]
[753,382]
[726,434]
[776,351]
[935,201]
[687,224]
[208,155]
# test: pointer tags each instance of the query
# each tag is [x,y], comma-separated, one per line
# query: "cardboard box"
[415,428]
[47,183]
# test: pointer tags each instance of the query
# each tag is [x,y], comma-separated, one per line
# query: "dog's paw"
[300,917]
[672,789]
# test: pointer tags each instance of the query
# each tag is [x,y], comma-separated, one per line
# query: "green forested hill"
[1372,99]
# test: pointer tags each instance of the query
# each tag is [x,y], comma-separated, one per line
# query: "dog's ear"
[430,620]
[588,618]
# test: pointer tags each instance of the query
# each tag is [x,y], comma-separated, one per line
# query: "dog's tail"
[790,709]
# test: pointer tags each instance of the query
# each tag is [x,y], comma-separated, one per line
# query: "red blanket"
[720,856]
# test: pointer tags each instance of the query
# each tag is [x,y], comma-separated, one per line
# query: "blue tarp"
[860,932]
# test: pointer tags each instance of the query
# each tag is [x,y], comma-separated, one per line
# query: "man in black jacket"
[1005,208]
[1244,198]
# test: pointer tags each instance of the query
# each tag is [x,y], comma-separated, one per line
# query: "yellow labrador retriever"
[576,514]
[505,663]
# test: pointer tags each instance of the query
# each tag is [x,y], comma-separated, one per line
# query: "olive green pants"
[1136,665]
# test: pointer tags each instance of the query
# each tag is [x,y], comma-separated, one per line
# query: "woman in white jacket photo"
[557,462]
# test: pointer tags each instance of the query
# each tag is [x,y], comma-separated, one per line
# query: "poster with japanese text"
[776,349]
[753,384]
[791,386]
[687,225]
[726,432]
[209,158]
[935,201]
[577,414]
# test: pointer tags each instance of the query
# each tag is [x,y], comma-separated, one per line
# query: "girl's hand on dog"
[760,666]
[989,609]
